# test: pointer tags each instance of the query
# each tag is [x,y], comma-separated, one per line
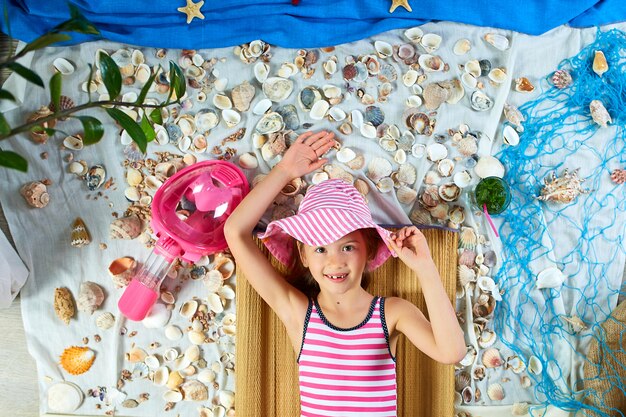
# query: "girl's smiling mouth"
[336,277]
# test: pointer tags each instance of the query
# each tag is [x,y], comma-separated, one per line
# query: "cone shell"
[77,360]
[64,304]
[126,228]
[90,297]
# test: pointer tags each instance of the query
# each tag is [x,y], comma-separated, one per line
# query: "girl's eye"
[319,250]
[348,248]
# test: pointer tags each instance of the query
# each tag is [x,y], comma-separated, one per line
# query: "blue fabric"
[313,23]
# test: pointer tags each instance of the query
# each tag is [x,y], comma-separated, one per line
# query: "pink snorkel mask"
[188,215]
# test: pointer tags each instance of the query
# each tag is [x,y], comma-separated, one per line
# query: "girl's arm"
[301,158]
[441,338]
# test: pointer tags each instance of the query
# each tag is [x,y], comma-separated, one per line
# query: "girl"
[344,337]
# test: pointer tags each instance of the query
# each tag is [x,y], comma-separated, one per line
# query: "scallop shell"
[105,321]
[378,168]
[64,397]
[406,195]
[491,358]
[77,360]
[561,79]
[122,271]
[487,338]
[520,409]
[434,96]
[468,238]
[407,174]
[445,167]
[90,297]
[495,392]
[194,391]
[515,364]
[126,228]
[277,89]
[436,152]
[35,193]
[242,96]
[466,275]
[461,380]
[64,304]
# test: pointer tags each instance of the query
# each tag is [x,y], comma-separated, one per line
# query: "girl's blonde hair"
[301,278]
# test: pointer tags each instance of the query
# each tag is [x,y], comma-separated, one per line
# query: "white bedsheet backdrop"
[42,235]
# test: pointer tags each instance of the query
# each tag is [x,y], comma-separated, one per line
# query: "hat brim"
[279,233]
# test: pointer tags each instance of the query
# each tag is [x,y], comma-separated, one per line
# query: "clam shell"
[277,89]
[331,91]
[74,143]
[345,155]
[63,66]
[64,397]
[290,117]
[436,152]
[270,123]
[170,354]
[510,136]
[319,177]
[222,102]
[414,34]
[497,75]
[368,130]
[383,49]
[261,71]
[192,353]
[409,78]
[205,120]
[173,332]
[430,42]
[356,118]
[489,166]
[161,376]
[550,278]
[206,376]
[152,362]
[231,117]
[226,398]
[90,297]
[480,101]
[172,396]
[248,160]
[188,309]
[78,168]
[158,316]
[430,63]
[469,80]
[336,114]
[215,303]
[262,106]
[319,110]
[462,179]
[496,40]
[196,337]
[462,46]
[400,156]
[308,97]
[194,391]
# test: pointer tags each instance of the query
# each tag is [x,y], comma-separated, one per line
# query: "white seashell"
[192,354]
[407,174]
[400,156]
[356,118]
[262,106]
[486,284]
[510,136]
[277,89]
[383,49]
[461,47]
[345,155]
[469,80]
[222,102]
[418,150]
[413,101]
[195,337]
[215,303]
[550,278]
[129,97]
[535,366]
[162,138]
[335,113]
[331,91]
[445,167]
[497,75]
[378,168]
[64,397]
[368,130]
[287,69]
[495,392]
[248,160]
[227,292]
[173,332]
[152,362]
[220,84]
[487,338]
[330,66]
[414,34]
[184,143]
[385,184]
[473,67]
[498,41]
[161,376]
[436,152]
[270,123]
[142,74]
[78,168]
[431,42]
[430,63]
[74,143]
[105,321]
[462,179]
[227,399]
[173,396]
[90,297]
[520,409]
[489,166]
[261,71]
[63,66]
[206,376]
[406,195]
[170,354]
[189,308]
[319,109]
[158,316]
[409,78]
[231,117]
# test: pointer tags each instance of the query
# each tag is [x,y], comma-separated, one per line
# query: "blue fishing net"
[552,329]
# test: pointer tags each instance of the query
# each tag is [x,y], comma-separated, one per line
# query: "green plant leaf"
[92,128]
[55,91]
[5,128]
[25,73]
[78,23]
[131,127]
[147,128]
[45,40]
[13,160]
[177,80]
[155,116]
[144,90]
[5,95]
[110,76]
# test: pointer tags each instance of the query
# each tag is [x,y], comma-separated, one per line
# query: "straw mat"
[605,368]
[266,368]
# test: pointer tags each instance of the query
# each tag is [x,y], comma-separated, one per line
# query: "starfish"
[192,10]
[396,3]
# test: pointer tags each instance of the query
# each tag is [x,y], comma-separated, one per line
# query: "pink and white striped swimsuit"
[347,372]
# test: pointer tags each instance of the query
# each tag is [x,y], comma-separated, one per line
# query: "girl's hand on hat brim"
[304,154]
[411,246]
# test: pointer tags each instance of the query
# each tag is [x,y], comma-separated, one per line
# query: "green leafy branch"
[141,133]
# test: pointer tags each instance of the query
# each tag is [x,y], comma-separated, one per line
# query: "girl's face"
[338,266]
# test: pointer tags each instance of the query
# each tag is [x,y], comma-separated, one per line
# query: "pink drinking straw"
[493,227]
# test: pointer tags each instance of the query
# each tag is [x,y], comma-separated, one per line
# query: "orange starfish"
[396,3]
[192,10]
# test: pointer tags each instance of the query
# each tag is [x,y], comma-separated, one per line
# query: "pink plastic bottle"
[143,290]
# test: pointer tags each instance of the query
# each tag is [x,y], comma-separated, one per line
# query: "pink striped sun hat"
[328,212]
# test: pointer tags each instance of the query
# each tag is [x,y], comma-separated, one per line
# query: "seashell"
[157,317]
[457,216]
[188,309]
[122,270]
[308,97]
[486,284]
[143,73]
[550,278]
[319,177]
[462,179]
[510,136]
[378,168]
[418,150]
[152,362]
[491,358]
[600,66]
[561,79]
[473,68]
[414,34]
[319,110]
[362,72]
[161,376]
[77,360]
[290,116]
[136,355]
[434,96]
[520,409]
[495,392]
[497,75]
[331,91]
[535,366]
[64,304]
[270,123]
[213,280]
[489,166]
[599,114]
[287,69]
[95,177]
[374,115]
[126,227]
[387,73]
[461,47]
[80,235]
[248,160]
[231,117]
[222,102]
[407,174]
[173,332]
[383,49]
[515,364]
[194,391]
[242,96]
[206,376]
[498,41]
[74,143]
[468,238]
[36,194]
[430,63]
[40,136]
[63,66]
[480,101]
[487,338]
[90,297]
[461,380]
[64,397]
[449,192]
[174,380]
[430,42]
[368,130]
[467,394]
[356,118]
[335,171]
[563,189]
[277,89]
[261,72]
[445,167]
[413,101]
[170,354]
[400,156]
[226,398]
[172,396]
[345,155]
[618,176]
[406,195]
[105,321]
[196,337]
[523,85]
[330,66]
[455,90]
[514,116]
[467,258]
[357,163]
[336,114]
[436,152]
[192,353]
[385,184]
[262,106]
[469,80]
[78,168]
[205,120]
[215,303]
[137,58]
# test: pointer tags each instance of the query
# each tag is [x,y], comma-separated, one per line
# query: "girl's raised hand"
[411,246]
[305,153]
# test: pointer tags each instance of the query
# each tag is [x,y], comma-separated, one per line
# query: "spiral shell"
[36,194]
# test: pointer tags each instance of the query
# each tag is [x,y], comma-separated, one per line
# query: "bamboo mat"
[266,368]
